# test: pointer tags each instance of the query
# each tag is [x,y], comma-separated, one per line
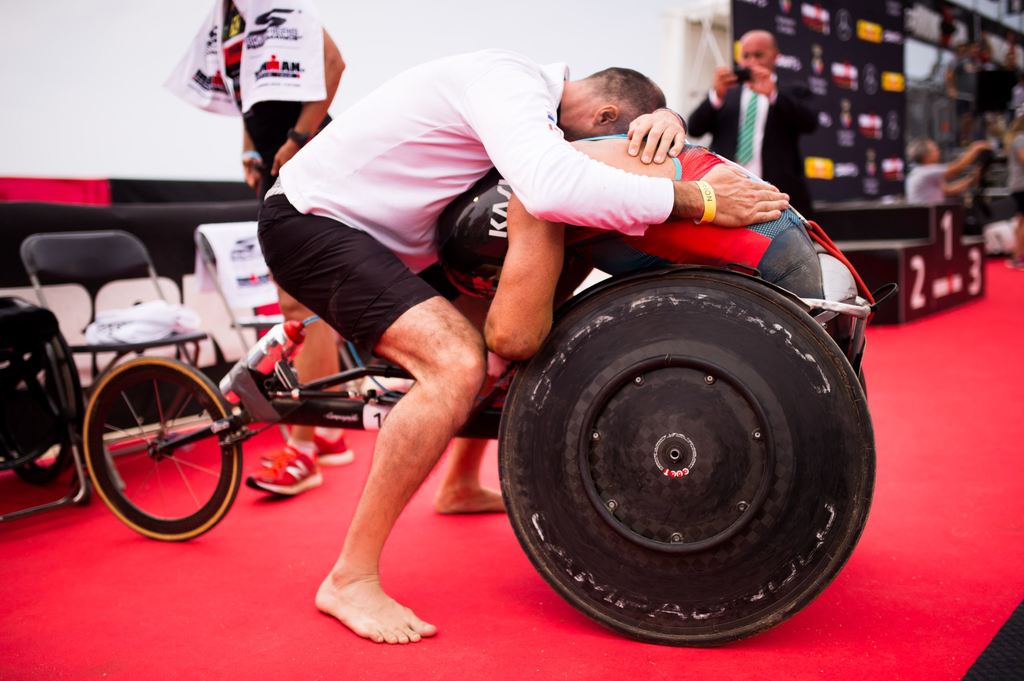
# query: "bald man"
[758,123]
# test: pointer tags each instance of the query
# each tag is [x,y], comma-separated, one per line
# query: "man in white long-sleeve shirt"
[354,214]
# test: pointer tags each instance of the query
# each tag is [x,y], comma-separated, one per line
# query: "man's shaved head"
[758,48]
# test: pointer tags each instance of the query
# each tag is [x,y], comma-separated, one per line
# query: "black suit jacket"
[788,118]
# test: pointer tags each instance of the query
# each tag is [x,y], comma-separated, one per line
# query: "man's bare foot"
[451,500]
[363,607]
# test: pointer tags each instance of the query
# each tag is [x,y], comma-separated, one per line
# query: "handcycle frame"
[281,398]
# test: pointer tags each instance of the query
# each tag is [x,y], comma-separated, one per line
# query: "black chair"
[41,403]
[92,260]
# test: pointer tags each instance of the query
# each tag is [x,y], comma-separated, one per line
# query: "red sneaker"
[289,473]
[334,452]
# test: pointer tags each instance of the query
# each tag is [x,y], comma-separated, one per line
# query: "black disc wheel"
[162,490]
[689,458]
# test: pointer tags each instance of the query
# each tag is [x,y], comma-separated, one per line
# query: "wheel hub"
[675,461]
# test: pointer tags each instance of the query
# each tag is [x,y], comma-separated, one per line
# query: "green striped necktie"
[745,147]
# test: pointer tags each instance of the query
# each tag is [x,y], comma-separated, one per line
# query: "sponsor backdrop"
[850,55]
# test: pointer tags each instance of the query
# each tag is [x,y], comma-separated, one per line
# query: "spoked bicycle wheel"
[174,493]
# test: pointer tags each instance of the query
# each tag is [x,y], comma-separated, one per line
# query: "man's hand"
[978,147]
[740,200]
[724,79]
[664,132]
[761,81]
[283,155]
[252,173]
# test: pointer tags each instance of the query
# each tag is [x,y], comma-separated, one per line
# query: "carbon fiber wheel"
[689,459]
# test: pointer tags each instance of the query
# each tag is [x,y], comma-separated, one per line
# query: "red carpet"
[939,569]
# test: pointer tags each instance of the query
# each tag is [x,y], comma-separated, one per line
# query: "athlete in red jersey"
[780,250]
[520,315]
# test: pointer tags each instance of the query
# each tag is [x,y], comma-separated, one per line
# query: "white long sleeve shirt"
[391,163]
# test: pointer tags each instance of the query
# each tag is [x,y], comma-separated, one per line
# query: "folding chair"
[93,260]
[41,403]
[229,255]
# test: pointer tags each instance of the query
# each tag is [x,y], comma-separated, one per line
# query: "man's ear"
[606,115]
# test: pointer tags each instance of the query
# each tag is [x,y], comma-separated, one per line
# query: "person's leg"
[367,294]
[792,262]
[317,357]
[440,348]
[461,490]
[295,469]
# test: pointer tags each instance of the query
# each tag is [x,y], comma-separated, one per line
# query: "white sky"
[82,85]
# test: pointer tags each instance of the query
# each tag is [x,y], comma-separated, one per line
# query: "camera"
[742,74]
[984,159]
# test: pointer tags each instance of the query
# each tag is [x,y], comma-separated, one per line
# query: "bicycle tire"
[106,437]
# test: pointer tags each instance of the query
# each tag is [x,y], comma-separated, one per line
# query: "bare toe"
[362,606]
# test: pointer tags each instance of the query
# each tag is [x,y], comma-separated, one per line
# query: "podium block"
[935,270]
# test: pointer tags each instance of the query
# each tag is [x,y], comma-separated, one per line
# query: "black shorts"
[355,283]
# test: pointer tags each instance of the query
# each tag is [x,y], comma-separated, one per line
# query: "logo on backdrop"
[869,31]
[844,25]
[785,25]
[870,125]
[815,17]
[788,62]
[893,82]
[844,75]
[847,170]
[870,172]
[892,37]
[824,120]
[785,6]
[819,168]
[272,68]
[817,63]
[892,125]
[892,168]
[846,136]
[870,79]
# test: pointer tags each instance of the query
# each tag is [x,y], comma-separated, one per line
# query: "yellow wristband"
[710,204]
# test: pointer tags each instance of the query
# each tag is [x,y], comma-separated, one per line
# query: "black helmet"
[471,236]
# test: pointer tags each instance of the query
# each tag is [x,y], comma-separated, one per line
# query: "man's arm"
[509,112]
[965,159]
[313,113]
[251,161]
[958,187]
[520,316]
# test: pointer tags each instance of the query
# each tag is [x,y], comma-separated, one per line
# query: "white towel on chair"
[142,323]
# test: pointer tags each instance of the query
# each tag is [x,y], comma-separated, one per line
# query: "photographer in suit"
[758,124]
